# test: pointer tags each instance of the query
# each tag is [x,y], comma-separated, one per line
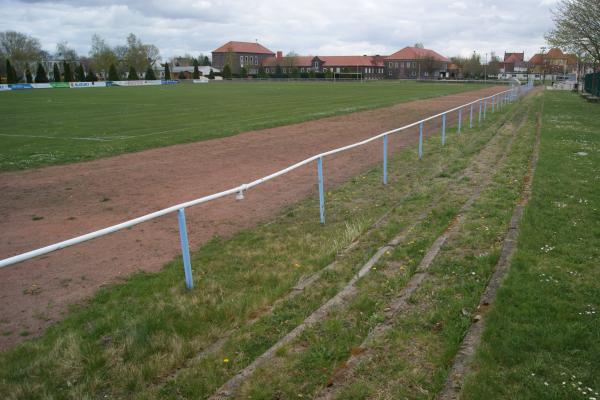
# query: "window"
[316,65]
[242,60]
[396,65]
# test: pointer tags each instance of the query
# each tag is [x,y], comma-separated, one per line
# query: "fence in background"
[479,106]
[592,84]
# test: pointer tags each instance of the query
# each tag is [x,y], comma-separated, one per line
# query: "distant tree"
[167,72]
[40,74]
[278,71]
[102,55]
[113,75]
[227,72]
[55,73]
[79,73]
[312,74]
[150,76]
[181,75]
[243,73]
[419,45]
[91,76]
[132,75]
[261,73]
[196,74]
[493,67]
[67,73]
[472,67]
[65,53]
[296,73]
[211,74]
[28,76]
[206,61]
[328,74]
[10,73]
[20,49]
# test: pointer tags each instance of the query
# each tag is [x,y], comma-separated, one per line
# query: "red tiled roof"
[299,61]
[514,57]
[555,53]
[416,53]
[344,61]
[536,59]
[243,47]
[330,61]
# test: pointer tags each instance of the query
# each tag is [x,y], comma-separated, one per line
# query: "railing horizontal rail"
[236,190]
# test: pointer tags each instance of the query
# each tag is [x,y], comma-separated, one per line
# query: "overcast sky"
[310,27]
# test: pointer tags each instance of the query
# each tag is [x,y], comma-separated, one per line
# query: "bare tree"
[66,53]
[102,55]
[19,48]
[577,27]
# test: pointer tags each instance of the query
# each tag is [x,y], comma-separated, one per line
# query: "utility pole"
[543,48]
[485,69]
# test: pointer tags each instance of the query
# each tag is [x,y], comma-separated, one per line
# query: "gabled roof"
[297,61]
[328,61]
[514,57]
[416,53]
[243,47]
[345,61]
[555,53]
[537,59]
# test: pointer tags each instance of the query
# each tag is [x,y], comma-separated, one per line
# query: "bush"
[113,75]
[150,76]
[227,72]
[91,76]
[40,74]
[132,75]
[55,73]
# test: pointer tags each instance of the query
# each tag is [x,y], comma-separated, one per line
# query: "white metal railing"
[497,100]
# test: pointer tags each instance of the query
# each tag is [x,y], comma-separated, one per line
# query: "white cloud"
[307,27]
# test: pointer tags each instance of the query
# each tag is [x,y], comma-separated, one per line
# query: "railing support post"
[459,119]
[484,108]
[493,104]
[321,190]
[471,118]
[479,120]
[385,152]
[420,140]
[443,129]
[185,249]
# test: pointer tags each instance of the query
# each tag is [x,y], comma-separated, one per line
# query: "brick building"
[241,54]
[416,63]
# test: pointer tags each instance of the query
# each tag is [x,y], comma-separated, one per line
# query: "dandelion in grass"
[226,360]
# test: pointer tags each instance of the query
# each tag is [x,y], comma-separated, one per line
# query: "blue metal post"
[185,249]
[443,129]
[484,108]
[471,118]
[385,151]
[479,120]
[321,191]
[459,119]
[420,140]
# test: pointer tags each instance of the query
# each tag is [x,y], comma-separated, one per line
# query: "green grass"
[410,360]
[130,338]
[542,339]
[48,127]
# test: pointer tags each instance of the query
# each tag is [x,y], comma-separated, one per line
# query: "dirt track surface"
[43,206]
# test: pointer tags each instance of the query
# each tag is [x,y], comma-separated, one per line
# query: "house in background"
[416,63]
[241,54]
[187,72]
[554,64]
[364,67]
[514,66]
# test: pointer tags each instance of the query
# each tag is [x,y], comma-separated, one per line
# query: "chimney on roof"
[279,55]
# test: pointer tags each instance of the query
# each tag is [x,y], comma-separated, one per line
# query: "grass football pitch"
[49,127]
